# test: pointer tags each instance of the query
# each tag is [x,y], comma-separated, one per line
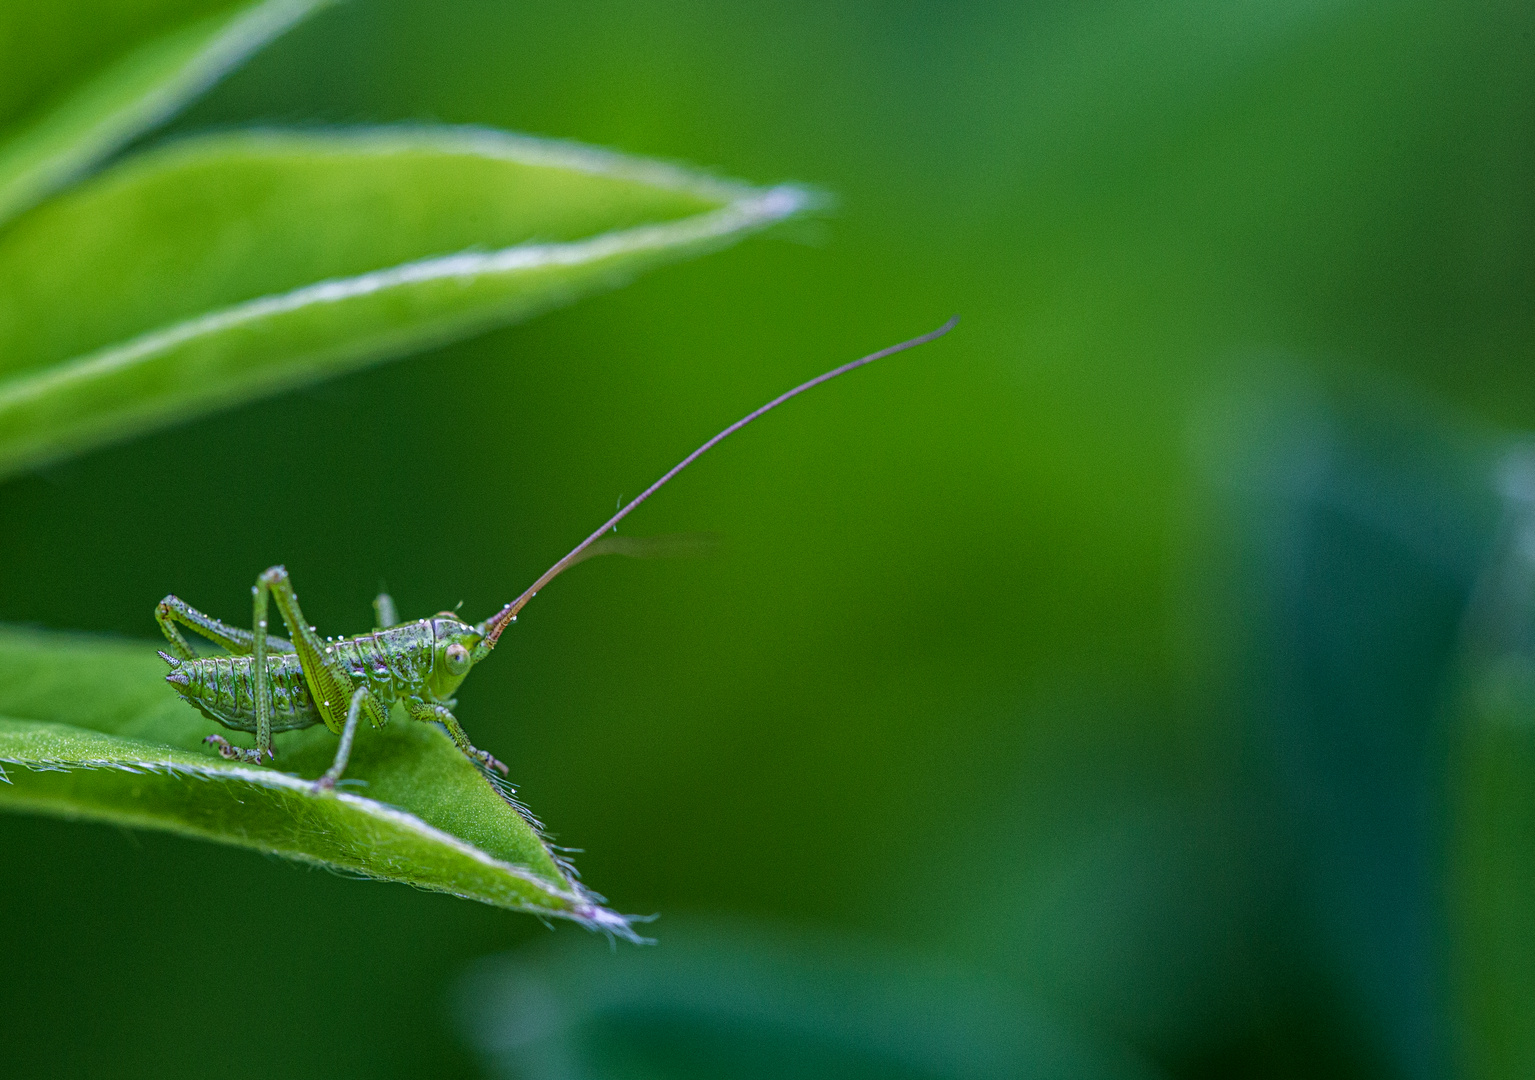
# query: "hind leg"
[238,642]
[230,752]
[330,684]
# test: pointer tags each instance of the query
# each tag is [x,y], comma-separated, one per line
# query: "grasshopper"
[269,684]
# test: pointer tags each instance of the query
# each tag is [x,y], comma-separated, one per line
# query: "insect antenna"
[493,626]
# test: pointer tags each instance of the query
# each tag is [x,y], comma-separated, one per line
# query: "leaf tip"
[785,201]
[611,924]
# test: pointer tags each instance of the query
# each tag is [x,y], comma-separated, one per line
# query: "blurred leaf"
[81,113]
[726,998]
[1493,870]
[92,732]
[227,267]
[1354,520]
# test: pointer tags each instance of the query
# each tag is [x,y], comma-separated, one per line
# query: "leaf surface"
[1493,775]
[88,729]
[766,1003]
[226,267]
[78,81]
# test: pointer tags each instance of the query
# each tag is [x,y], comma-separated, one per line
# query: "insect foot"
[233,753]
[484,758]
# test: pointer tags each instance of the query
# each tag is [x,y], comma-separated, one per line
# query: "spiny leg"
[238,642]
[229,752]
[330,684]
[429,713]
[261,680]
[360,700]
[257,641]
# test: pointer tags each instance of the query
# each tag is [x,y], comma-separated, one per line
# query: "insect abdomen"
[222,688]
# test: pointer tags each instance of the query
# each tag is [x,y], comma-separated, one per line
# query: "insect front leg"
[430,713]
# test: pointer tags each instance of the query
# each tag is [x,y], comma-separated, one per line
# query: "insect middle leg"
[359,704]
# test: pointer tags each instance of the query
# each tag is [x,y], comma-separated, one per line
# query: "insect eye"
[458,658]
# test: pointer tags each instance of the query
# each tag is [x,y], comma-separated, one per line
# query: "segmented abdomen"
[222,687]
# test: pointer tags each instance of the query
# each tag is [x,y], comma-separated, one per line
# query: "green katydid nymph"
[269,684]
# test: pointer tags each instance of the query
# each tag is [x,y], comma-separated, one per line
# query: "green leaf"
[222,268]
[1493,780]
[88,729]
[56,134]
[730,998]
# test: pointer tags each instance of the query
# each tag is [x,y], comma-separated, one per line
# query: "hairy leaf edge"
[583,906]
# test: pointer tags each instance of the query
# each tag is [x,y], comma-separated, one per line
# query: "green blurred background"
[1104,654]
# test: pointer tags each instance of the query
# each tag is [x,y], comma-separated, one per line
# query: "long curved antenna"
[503,618]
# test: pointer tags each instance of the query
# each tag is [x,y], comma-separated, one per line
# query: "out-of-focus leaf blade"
[91,119]
[228,267]
[89,730]
[1493,770]
[729,998]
